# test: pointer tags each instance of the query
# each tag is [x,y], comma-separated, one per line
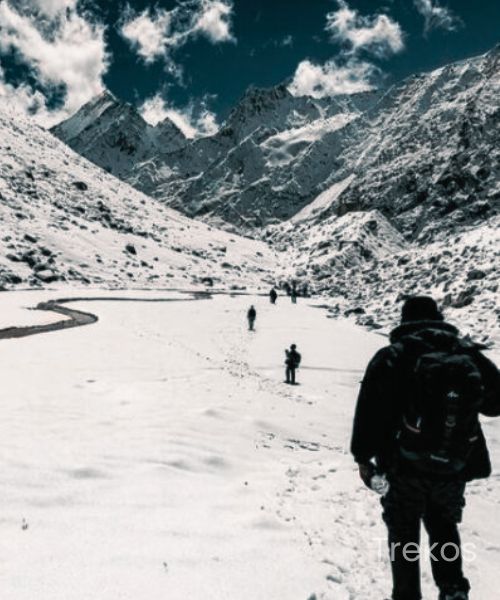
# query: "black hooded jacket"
[381,398]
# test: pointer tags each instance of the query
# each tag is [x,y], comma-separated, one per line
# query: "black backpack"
[295,359]
[440,422]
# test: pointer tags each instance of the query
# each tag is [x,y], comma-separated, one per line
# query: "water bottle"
[379,484]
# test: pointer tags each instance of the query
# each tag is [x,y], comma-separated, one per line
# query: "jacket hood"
[437,334]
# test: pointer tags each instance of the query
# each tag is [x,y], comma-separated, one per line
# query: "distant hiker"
[273,295]
[292,362]
[251,316]
[293,296]
[416,423]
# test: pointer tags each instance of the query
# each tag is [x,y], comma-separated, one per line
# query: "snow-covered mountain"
[64,220]
[265,162]
[415,206]
[423,151]
[429,159]
[115,136]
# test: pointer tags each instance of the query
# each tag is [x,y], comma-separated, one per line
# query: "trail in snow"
[158,454]
[76,318]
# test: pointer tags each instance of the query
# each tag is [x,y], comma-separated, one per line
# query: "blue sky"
[193,59]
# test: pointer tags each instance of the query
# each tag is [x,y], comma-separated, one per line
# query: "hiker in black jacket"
[416,423]
[251,316]
[292,362]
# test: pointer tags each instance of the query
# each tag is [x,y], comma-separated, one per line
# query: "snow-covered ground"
[157,454]
[64,220]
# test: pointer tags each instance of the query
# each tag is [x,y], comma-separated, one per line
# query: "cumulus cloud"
[65,50]
[154,109]
[155,34]
[48,8]
[350,72]
[23,99]
[332,79]
[148,33]
[214,21]
[437,16]
[378,34]
[52,7]
[194,120]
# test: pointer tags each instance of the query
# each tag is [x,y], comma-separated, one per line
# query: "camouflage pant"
[439,505]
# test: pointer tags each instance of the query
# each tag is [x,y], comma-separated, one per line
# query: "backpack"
[294,357]
[440,422]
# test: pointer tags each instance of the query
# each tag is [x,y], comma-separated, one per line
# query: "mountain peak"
[86,115]
[277,92]
[167,125]
[167,136]
[274,107]
[105,97]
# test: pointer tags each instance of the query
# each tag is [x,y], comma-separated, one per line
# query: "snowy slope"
[430,158]
[62,219]
[157,454]
[367,267]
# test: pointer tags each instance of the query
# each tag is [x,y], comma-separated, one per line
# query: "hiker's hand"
[379,484]
[366,472]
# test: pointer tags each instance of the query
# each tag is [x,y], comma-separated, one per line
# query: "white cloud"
[22,99]
[70,52]
[332,79]
[377,34]
[437,16]
[48,8]
[215,21]
[148,33]
[206,123]
[154,110]
[194,120]
[348,73]
[52,7]
[156,34]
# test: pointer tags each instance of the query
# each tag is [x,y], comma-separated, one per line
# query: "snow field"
[158,454]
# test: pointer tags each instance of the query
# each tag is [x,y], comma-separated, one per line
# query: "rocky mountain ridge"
[424,151]
[115,136]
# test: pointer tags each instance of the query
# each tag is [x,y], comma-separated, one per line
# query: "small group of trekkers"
[252,313]
[292,290]
[292,356]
